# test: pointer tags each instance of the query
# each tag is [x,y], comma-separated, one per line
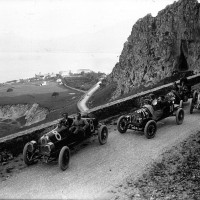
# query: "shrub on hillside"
[9,90]
[55,94]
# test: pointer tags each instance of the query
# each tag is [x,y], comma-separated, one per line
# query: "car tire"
[103,134]
[64,158]
[191,106]
[150,129]
[195,97]
[121,124]
[179,116]
[27,156]
[181,104]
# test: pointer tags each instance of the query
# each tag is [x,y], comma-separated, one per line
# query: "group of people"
[76,126]
[162,103]
[183,84]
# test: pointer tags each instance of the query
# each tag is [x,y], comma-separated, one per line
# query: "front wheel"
[103,134]
[191,106]
[64,158]
[28,155]
[195,97]
[150,129]
[179,116]
[122,124]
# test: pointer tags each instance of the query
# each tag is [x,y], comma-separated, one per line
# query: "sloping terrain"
[14,117]
[25,95]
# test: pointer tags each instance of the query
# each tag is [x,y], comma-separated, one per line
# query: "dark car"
[145,118]
[195,102]
[56,144]
[182,93]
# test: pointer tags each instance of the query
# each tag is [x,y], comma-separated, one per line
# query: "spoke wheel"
[191,106]
[28,156]
[179,116]
[150,129]
[103,134]
[122,124]
[64,158]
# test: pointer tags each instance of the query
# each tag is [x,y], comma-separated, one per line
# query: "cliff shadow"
[182,64]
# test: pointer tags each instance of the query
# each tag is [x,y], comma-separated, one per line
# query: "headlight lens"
[32,146]
[44,139]
[46,149]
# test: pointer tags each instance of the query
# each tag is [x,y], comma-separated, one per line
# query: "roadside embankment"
[14,143]
[175,175]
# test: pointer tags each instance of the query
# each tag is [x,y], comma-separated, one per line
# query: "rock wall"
[158,46]
[32,113]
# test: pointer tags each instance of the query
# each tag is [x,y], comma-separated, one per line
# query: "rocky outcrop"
[31,113]
[158,46]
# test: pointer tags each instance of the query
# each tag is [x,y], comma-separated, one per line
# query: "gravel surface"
[95,170]
[175,175]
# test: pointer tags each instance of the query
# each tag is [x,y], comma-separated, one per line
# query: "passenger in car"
[79,125]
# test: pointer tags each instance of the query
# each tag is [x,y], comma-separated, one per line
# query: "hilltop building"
[79,71]
[41,76]
[65,73]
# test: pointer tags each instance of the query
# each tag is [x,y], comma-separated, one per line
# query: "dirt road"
[82,103]
[95,169]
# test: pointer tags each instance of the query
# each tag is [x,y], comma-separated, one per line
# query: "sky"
[57,35]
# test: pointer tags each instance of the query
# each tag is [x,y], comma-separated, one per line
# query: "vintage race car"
[195,102]
[182,94]
[145,118]
[56,144]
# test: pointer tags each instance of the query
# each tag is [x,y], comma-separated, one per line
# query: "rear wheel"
[179,116]
[150,129]
[64,157]
[103,134]
[191,106]
[122,124]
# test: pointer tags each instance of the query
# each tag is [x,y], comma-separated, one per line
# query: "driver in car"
[79,125]
[65,122]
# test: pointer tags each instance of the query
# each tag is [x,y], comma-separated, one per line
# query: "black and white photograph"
[100,99]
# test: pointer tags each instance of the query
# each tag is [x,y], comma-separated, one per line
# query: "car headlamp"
[51,145]
[32,146]
[44,139]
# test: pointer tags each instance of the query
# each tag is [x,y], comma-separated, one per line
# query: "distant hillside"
[83,81]
[158,46]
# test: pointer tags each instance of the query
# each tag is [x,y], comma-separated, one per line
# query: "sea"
[20,65]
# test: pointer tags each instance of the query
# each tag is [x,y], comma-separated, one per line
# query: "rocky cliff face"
[158,46]
[31,113]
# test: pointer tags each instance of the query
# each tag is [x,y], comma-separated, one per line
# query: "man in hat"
[65,122]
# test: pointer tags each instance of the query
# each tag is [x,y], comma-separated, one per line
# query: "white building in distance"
[83,70]
[65,73]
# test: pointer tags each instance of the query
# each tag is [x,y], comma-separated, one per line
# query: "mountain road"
[95,169]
